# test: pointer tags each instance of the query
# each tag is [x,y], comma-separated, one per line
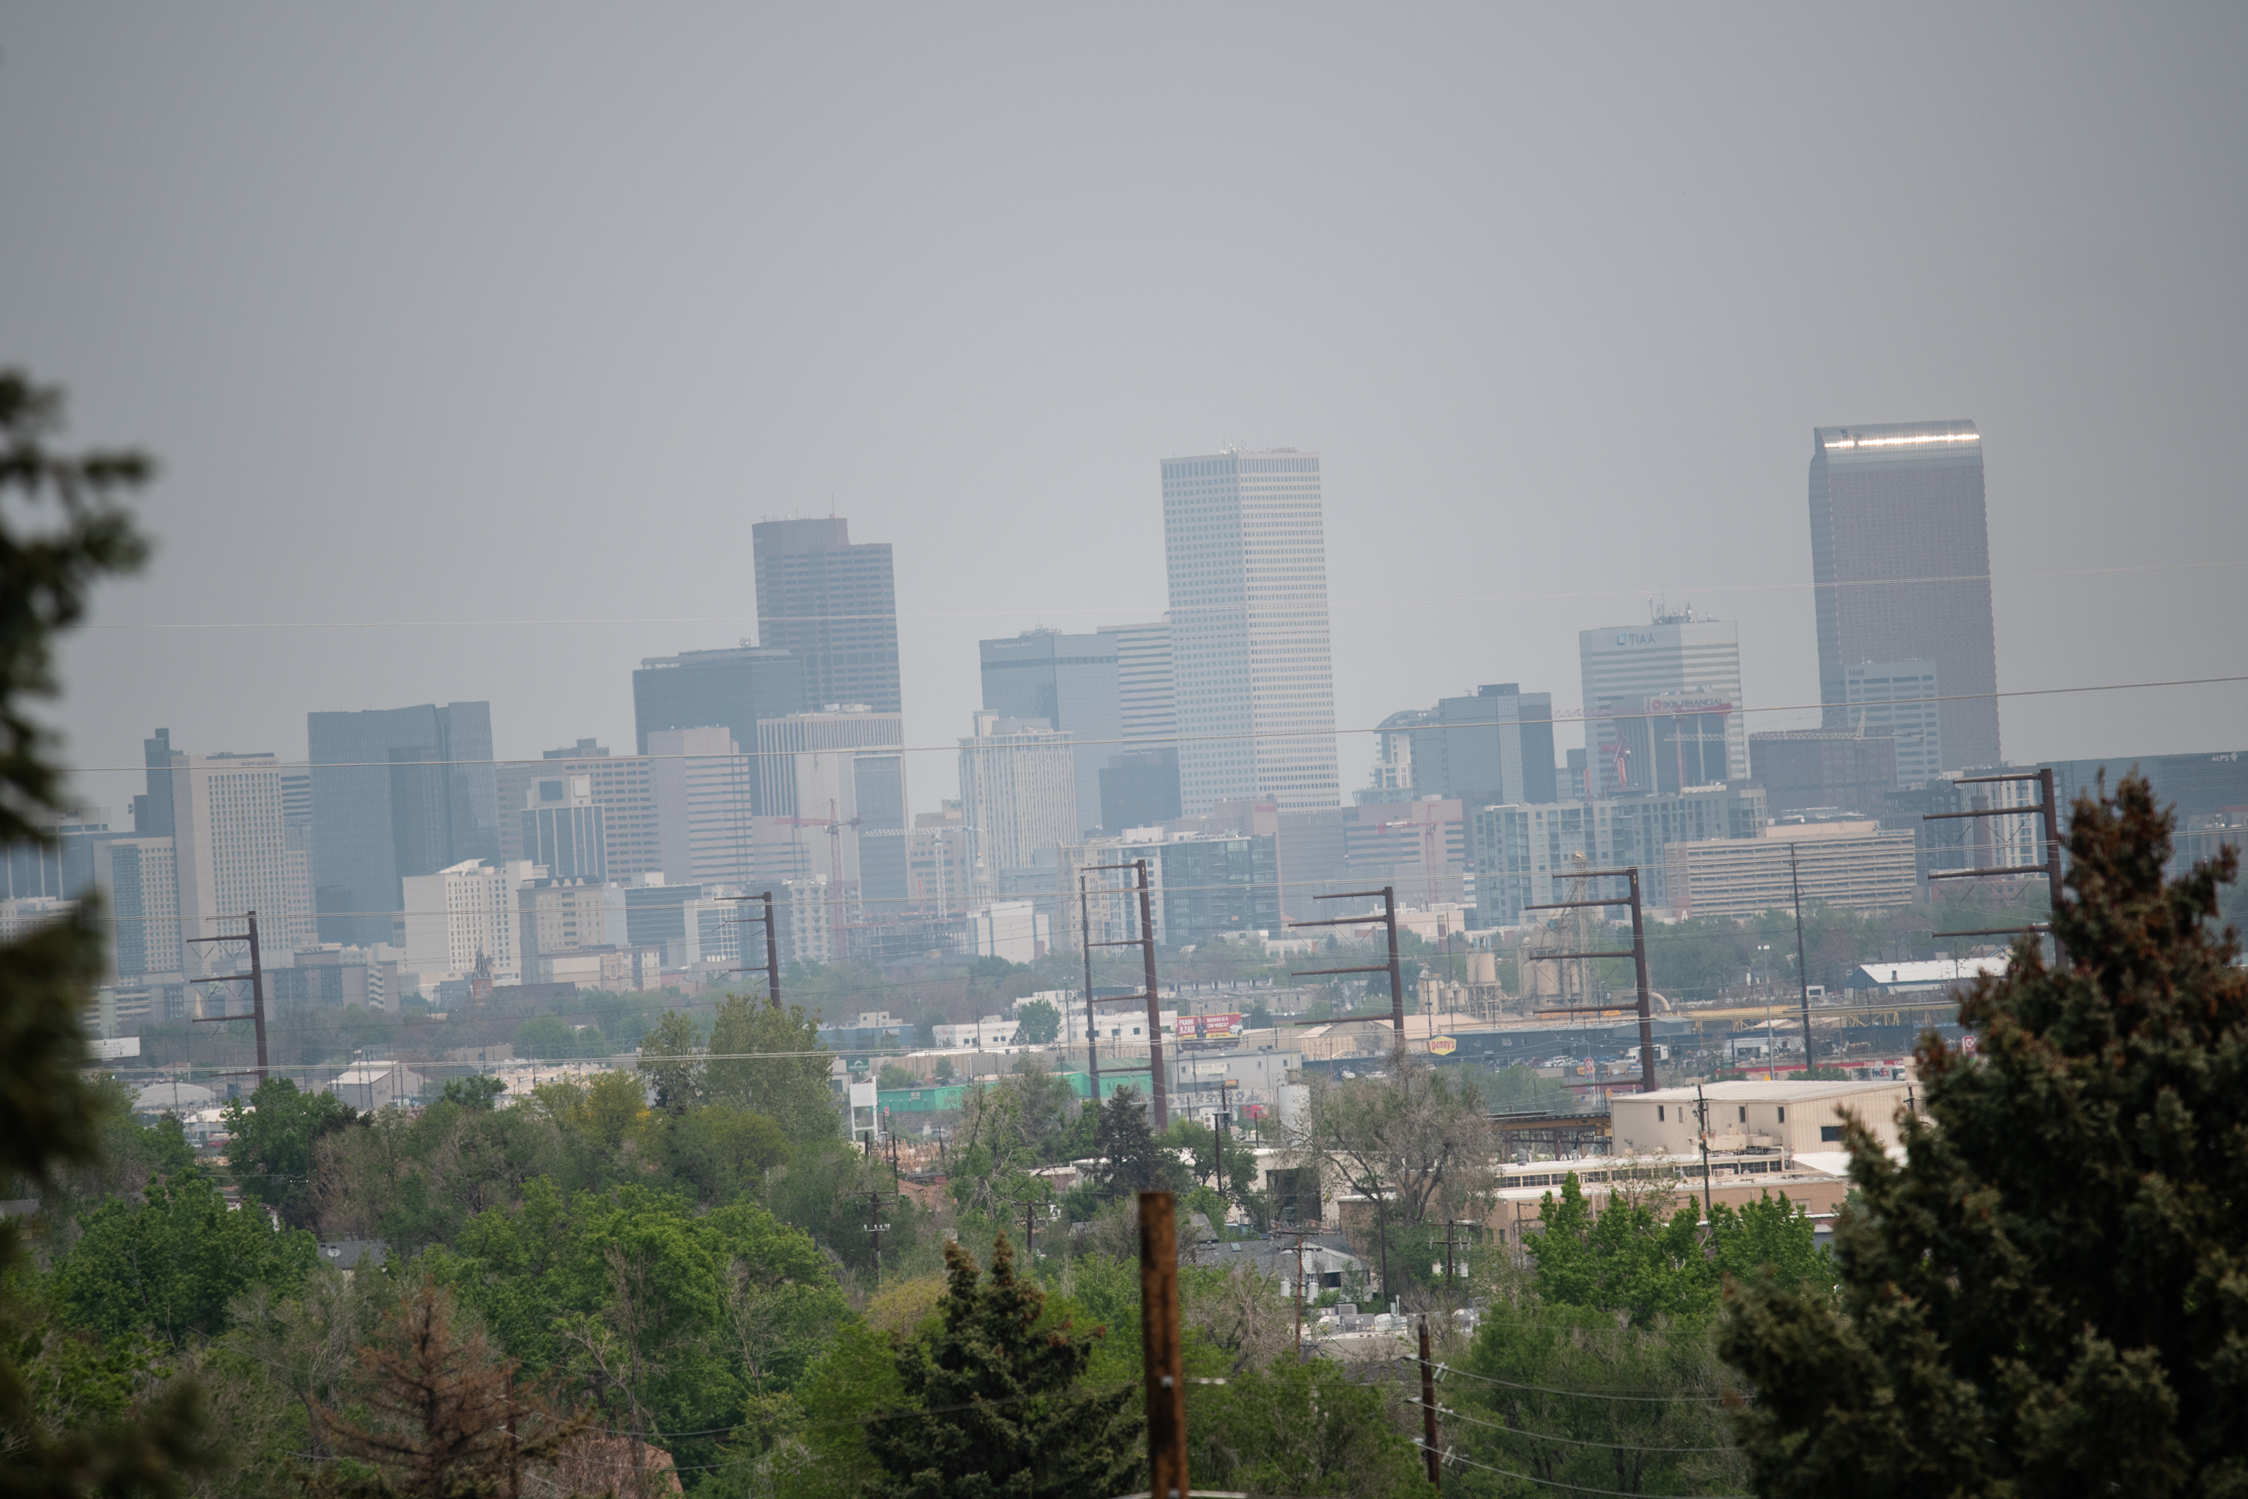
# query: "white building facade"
[1018,789]
[1246,556]
[1691,670]
[465,914]
[232,855]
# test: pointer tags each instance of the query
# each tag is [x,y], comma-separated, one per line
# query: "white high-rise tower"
[1245,549]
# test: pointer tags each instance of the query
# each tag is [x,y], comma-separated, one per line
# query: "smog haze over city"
[473,342]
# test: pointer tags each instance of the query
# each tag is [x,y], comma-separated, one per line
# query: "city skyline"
[1531,433]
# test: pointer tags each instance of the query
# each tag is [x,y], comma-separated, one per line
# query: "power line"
[1455,1415]
[1169,739]
[1589,1394]
[1555,1483]
[1415,602]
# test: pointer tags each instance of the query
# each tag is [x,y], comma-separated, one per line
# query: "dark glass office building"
[396,792]
[1071,682]
[731,689]
[833,605]
[1900,566]
[1492,748]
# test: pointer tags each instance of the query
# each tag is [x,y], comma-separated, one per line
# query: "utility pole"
[2049,809]
[256,976]
[1160,1108]
[772,946]
[1396,1015]
[1165,1372]
[1637,952]
[1092,1026]
[1223,1084]
[1429,1448]
[1701,1116]
[1802,963]
[1300,1234]
[874,1223]
[1155,1077]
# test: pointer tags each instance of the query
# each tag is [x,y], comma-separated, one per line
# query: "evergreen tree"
[51,1112]
[2051,1294]
[996,1408]
[1131,1161]
[446,1418]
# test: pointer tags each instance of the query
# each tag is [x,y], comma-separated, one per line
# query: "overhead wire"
[1417,601]
[1555,1483]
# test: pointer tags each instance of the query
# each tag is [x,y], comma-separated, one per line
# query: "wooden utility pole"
[1092,1026]
[1637,952]
[1299,1234]
[256,976]
[1160,1100]
[2049,808]
[772,946]
[1159,1336]
[1155,1079]
[1802,963]
[1434,1453]
[1396,1015]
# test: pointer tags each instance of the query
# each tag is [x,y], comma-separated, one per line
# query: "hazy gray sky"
[525,312]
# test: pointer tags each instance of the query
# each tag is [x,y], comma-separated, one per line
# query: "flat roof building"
[1679,671]
[1793,1117]
[1851,865]
[1246,557]
[1900,570]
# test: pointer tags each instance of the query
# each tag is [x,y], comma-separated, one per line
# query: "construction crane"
[1428,829]
[837,921]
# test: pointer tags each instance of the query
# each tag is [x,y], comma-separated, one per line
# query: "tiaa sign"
[1442,1046]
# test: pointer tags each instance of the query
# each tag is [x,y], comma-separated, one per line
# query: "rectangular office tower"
[834,606]
[1139,781]
[1662,705]
[1071,682]
[1496,746]
[1900,566]
[396,792]
[1254,677]
[733,690]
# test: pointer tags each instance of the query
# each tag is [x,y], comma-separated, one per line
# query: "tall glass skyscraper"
[834,605]
[396,792]
[1245,549]
[1900,565]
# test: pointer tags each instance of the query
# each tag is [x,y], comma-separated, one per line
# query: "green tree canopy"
[169,1265]
[1039,1022]
[995,1405]
[271,1135]
[2047,1295]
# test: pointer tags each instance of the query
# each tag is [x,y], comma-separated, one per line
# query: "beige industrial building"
[1853,865]
[1792,1118]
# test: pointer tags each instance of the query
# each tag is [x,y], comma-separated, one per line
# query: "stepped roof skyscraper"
[833,604]
[1900,564]
[1245,549]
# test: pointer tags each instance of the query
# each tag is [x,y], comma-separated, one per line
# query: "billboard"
[1442,1046]
[1208,1027]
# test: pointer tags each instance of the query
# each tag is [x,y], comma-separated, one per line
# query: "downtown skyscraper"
[1245,550]
[1900,566]
[833,605]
